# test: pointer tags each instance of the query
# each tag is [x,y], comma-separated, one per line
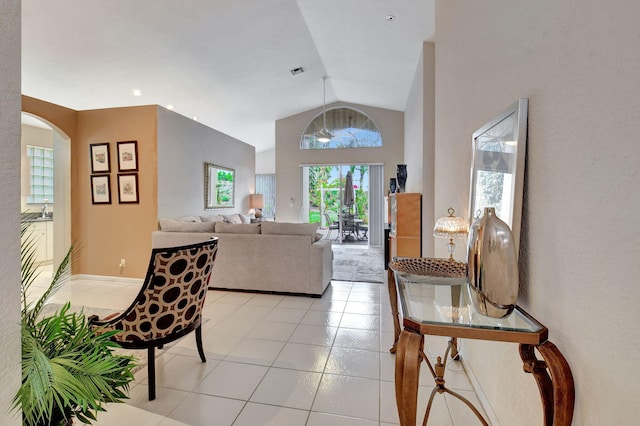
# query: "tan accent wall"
[106,233]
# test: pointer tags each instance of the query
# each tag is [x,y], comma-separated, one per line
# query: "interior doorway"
[41,133]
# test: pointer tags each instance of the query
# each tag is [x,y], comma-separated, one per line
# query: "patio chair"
[169,304]
[331,225]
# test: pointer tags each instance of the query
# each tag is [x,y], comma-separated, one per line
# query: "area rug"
[358,263]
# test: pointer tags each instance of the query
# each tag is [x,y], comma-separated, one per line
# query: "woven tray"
[430,270]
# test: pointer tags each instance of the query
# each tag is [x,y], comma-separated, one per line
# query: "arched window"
[349,128]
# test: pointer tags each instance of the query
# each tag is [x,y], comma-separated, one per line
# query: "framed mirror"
[219,187]
[497,166]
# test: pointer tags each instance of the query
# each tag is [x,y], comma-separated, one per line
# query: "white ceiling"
[225,61]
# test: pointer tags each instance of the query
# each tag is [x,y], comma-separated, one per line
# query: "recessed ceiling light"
[391,18]
[169,106]
[195,118]
[137,92]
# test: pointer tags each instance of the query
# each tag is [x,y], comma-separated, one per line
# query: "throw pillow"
[172,225]
[216,218]
[237,228]
[246,218]
[284,228]
[232,218]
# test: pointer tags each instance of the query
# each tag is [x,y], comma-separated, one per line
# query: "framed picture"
[128,156]
[100,158]
[128,188]
[219,187]
[100,189]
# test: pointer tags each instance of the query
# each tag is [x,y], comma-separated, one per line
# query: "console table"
[423,314]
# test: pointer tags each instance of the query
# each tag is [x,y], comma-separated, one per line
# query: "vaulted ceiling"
[226,62]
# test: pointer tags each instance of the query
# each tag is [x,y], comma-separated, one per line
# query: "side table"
[423,315]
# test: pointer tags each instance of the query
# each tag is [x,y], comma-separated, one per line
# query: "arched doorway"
[38,132]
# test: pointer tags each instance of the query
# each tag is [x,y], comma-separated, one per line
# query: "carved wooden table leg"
[407,374]
[393,298]
[556,391]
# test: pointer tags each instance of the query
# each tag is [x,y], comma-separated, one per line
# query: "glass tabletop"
[447,310]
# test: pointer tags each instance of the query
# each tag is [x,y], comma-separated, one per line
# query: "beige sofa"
[271,256]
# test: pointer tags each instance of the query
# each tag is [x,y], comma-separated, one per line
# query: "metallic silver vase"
[492,266]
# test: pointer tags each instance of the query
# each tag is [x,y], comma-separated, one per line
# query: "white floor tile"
[298,356]
[286,315]
[324,419]
[272,330]
[323,318]
[357,339]
[314,335]
[280,360]
[354,362]
[183,372]
[232,380]
[288,388]
[348,396]
[361,321]
[205,410]
[269,415]
[255,351]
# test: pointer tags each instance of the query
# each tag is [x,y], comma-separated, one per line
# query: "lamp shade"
[256,201]
[450,226]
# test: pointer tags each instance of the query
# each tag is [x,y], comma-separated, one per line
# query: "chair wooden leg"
[199,343]
[151,372]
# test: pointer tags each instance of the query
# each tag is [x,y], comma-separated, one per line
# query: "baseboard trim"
[122,280]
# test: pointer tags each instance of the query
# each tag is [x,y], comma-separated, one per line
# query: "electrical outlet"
[122,263]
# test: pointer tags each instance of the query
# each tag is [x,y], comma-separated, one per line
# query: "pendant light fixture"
[324,135]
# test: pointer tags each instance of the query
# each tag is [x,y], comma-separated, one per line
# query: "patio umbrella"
[348,191]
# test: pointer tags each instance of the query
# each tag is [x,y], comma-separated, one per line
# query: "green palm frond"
[67,369]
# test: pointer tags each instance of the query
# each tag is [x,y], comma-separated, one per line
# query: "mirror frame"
[519,111]
[212,190]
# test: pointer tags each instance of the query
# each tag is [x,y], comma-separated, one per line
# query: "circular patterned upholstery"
[171,298]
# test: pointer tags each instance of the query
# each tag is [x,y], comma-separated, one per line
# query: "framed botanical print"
[128,188]
[100,158]
[100,189]
[128,156]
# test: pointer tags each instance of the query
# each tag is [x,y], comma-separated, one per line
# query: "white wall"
[579,65]
[184,146]
[10,104]
[289,156]
[266,162]
[419,142]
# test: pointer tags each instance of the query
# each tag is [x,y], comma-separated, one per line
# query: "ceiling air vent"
[297,71]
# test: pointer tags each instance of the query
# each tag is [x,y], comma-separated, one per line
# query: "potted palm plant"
[67,370]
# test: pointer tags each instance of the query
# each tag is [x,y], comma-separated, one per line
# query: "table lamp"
[450,227]
[256,202]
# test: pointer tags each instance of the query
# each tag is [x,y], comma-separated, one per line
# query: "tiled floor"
[278,360]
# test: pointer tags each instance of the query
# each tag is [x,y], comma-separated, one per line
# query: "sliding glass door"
[339,196]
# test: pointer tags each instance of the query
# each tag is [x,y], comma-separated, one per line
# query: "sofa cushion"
[232,218]
[237,228]
[189,219]
[285,228]
[216,218]
[173,225]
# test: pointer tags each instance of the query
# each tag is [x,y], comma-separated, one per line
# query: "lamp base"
[258,213]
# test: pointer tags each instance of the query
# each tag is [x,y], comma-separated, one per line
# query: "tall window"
[266,185]
[349,128]
[41,174]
